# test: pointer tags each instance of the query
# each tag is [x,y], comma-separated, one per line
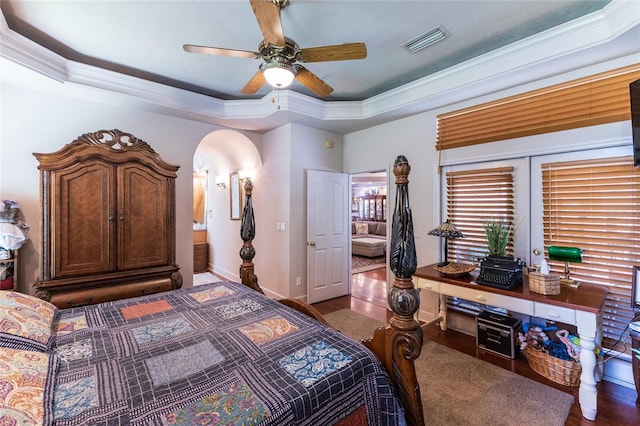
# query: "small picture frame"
[235,188]
[635,288]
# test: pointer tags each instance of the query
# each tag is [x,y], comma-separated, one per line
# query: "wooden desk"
[580,306]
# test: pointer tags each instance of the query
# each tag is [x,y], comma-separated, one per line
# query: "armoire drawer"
[91,296]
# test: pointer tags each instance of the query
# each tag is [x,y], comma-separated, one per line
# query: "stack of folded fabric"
[13,234]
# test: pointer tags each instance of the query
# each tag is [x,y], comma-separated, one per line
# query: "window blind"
[473,196]
[598,99]
[595,205]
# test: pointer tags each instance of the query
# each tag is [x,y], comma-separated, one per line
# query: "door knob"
[312,243]
[536,251]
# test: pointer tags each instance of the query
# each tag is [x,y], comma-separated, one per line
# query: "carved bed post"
[247,233]
[399,344]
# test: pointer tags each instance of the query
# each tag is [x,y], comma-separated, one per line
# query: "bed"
[222,353]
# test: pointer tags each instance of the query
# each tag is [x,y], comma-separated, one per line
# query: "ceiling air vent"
[426,39]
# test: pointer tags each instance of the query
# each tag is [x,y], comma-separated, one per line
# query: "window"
[474,193]
[588,199]
[474,196]
[478,192]
[593,204]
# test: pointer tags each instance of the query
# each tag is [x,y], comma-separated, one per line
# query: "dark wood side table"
[200,257]
[635,363]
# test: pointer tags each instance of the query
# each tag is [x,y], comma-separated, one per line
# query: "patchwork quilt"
[220,353]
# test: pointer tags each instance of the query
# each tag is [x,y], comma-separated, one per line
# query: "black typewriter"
[501,272]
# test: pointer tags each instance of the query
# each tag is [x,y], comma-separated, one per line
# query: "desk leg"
[598,342]
[443,312]
[588,394]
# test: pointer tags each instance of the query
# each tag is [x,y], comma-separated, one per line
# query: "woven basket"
[544,284]
[454,269]
[558,370]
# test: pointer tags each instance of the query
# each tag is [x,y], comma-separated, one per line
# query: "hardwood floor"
[616,404]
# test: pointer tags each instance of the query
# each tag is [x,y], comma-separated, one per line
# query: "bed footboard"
[400,343]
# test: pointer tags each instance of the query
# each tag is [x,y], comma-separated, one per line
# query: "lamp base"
[569,282]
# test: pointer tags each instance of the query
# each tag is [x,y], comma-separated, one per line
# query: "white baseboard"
[619,371]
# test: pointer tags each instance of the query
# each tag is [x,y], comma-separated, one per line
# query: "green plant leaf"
[497,233]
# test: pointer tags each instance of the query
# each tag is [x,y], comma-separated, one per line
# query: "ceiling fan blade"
[268,16]
[256,82]
[220,51]
[313,82]
[336,52]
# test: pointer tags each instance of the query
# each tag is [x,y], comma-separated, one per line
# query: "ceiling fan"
[282,56]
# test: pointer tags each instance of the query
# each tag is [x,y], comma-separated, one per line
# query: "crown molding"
[516,64]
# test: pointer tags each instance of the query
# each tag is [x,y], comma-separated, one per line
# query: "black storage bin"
[497,333]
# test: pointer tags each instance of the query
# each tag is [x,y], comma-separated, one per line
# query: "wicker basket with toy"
[557,357]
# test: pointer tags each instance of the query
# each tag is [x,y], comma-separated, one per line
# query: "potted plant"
[497,232]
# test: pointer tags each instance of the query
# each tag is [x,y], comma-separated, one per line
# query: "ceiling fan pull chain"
[273,97]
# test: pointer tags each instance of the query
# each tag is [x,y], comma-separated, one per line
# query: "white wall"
[37,121]
[377,148]
[288,152]
[272,188]
[308,152]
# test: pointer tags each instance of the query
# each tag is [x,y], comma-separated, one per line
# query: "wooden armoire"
[108,221]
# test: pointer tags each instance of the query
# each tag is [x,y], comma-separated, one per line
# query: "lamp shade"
[446,230]
[278,74]
[565,254]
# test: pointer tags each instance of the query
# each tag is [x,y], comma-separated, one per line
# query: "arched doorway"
[219,155]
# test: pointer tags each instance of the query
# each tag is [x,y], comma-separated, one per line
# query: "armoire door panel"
[143,218]
[83,224]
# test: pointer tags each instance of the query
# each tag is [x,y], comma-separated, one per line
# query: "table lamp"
[566,255]
[446,230]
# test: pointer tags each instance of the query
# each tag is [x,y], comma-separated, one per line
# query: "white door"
[328,233]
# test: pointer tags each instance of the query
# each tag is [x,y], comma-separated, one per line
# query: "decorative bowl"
[454,269]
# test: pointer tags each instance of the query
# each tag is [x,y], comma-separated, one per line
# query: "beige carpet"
[361,264]
[204,278]
[458,389]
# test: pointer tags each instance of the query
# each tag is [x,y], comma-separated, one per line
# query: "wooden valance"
[597,99]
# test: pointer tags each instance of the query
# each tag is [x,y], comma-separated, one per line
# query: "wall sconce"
[566,255]
[245,174]
[446,230]
[220,183]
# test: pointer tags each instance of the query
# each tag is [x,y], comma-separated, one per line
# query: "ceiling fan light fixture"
[427,39]
[278,74]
